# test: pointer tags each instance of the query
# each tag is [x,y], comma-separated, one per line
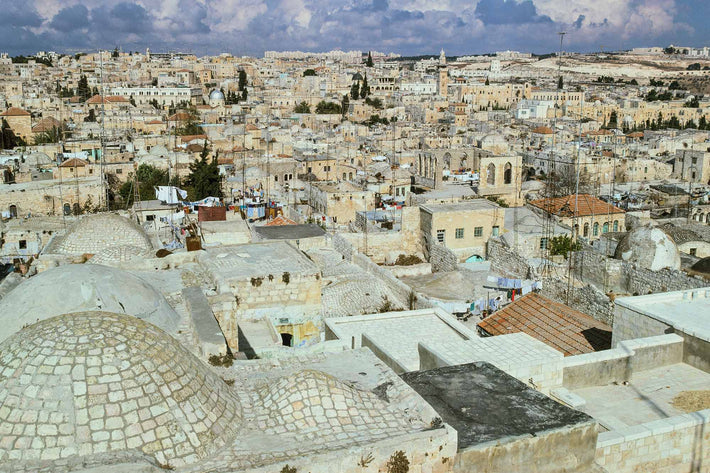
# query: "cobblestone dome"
[313,401]
[84,287]
[94,233]
[89,383]
[120,254]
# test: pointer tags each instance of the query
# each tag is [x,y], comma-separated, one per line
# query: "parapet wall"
[671,445]
[619,364]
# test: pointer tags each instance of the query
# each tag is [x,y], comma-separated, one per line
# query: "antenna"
[104,191]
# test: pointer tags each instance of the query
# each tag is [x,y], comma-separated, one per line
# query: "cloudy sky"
[403,26]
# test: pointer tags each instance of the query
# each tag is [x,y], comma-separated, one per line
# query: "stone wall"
[342,245]
[620,276]
[587,299]
[671,445]
[629,324]
[380,246]
[506,261]
[442,259]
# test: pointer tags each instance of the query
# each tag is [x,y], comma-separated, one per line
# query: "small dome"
[94,233]
[83,287]
[120,254]
[702,266]
[216,94]
[315,401]
[90,383]
[650,248]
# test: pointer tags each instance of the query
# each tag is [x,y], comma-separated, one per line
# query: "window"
[276,178]
[23,245]
[595,232]
[91,171]
[693,251]
[150,218]
[543,243]
[496,230]
[459,233]
[478,231]
[119,171]
[616,225]
[605,227]
[440,235]
[586,229]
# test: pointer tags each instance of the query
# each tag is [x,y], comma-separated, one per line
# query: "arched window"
[586,229]
[13,211]
[345,176]
[67,209]
[595,232]
[76,209]
[491,174]
[350,176]
[605,227]
[507,174]
[616,225]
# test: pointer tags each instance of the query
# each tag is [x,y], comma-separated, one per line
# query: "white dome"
[95,233]
[650,248]
[97,382]
[216,95]
[83,287]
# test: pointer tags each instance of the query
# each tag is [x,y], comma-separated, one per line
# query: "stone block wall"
[629,324]
[671,445]
[506,261]
[442,259]
[342,245]
[586,299]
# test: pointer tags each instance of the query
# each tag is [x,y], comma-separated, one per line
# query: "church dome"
[83,287]
[650,248]
[115,255]
[91,383]
[216,94]
[94,233]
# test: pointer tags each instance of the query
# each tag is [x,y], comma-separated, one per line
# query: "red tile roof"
[543,130]
[15,112]
[74,163]
[188,138]
[107,99]
[46,124]
[280,220]
[567,206]
[555,324]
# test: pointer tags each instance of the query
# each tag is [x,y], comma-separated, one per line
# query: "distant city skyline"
[407,27]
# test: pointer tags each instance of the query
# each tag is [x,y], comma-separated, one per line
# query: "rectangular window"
[478,231]
[543,243]
[693,251]
[23,245]
[459,233]
[496,231]
[119,171]
[440,235]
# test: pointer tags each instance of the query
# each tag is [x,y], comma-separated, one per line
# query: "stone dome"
[120,254]
[702,266]
[83,287]
[89,383]
[216,94]
[94,233]
[650,248]
[311,400]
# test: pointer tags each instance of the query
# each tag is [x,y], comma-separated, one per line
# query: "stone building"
[464,227]
[588,216]
[19,121]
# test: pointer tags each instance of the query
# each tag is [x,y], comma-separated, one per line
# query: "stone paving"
[348,290]
[90,383]
[647,397]
[97,232]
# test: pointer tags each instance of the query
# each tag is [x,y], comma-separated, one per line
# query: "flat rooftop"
[647,397]
[256,259]
[687,311]
[399,333]
[467,205]
[485,404]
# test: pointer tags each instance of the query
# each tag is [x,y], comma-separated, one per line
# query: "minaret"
[443,82]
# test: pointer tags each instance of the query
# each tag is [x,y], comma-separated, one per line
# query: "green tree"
[83,90]
[703,123]
[376,102]
[487,81]
[562,245]
[191,126]
[328,107]
[675,85]
[302,107]
[369,62]
[692,103]
[8,139]
[560,83]
[50,136]
[204,179]
[91,117]
[355,91]
[132,101]
[309,73]
[242,80]
[345,104]
[613,120]
[148,177]
[115,53]
[365,89]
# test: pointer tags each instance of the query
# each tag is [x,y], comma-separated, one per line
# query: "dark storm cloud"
[124,17]
[503,12]
[71,18]
[18,15]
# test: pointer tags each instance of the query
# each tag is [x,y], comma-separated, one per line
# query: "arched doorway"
[507,173]
[286,339]
[13,211]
